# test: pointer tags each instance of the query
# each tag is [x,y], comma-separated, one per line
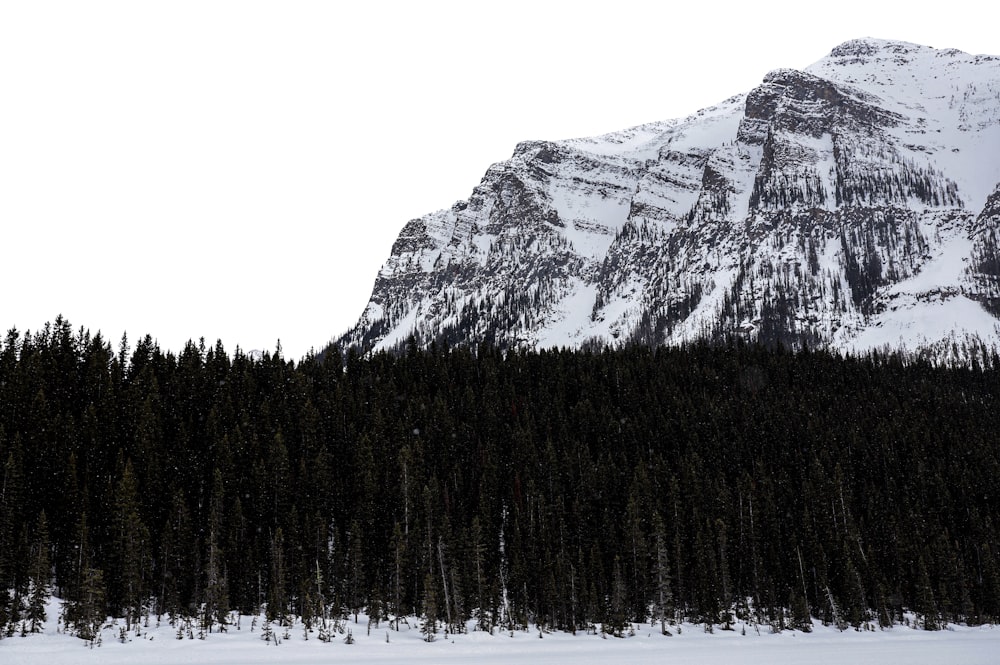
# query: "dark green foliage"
[277,595]
[130,561]
[85,615]
[556,488]
[84,609]
[215,605]
[40,573]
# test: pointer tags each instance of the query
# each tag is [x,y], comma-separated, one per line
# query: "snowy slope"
[853,205]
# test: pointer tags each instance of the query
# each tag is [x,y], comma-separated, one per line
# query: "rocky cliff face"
[854,205]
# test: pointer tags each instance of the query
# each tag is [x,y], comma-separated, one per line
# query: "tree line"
[566,490]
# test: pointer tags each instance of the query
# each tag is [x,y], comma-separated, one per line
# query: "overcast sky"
[239,170]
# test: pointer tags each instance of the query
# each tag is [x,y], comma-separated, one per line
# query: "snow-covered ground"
[826,645]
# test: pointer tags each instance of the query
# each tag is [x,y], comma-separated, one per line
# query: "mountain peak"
[845,206]
[869,46]
[870,50]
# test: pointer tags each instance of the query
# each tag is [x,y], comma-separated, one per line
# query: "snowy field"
[957,645]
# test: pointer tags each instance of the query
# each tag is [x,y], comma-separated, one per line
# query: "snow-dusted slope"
[852,205]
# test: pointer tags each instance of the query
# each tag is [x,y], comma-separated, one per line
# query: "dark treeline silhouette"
[563,489]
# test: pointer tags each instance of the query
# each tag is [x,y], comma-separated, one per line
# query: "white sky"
[239,170]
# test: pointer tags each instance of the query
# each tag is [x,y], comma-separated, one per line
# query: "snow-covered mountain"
[853,205]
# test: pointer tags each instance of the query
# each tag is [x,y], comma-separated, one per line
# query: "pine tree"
[355,569]
[70,505]
[724,582]
[800,612]
[664,603]
[615,621]
[445,577]
[177,560]
[277,595]
[216,602]
[84,609]
[428,627]
[40,575]
[315,606]
[11,509]
[924,602]
[483,612]
[130,553]
[398,563]
[87,614]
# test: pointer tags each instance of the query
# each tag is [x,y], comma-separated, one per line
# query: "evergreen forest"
[556,490]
